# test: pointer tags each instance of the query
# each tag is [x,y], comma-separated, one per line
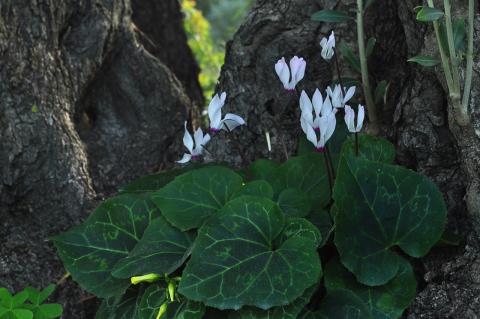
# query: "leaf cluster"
[270,241]
[28,304]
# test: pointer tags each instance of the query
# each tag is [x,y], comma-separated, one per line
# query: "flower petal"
[349,94]
[360,117]
[185,159]
[317,101]
[187,139]
[231,121]
[349,118]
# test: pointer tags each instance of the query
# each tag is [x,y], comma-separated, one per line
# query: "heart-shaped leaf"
[267,170]
[384,302]
[259,188]
[162,250]
[47,311]
[370,147]
[89,251]
[294,202]
[194,196]
[237,260]
[339,304]
[321,219]
[308,174]
[381,206]
[290,311]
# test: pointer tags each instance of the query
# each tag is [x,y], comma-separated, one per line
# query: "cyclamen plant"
[325,234]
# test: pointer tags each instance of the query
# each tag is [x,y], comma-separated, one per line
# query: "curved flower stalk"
[327,124]
[328,46]
[195,149]
[229,122]
[350,118]
[338,100]
[291,76]
[317,105]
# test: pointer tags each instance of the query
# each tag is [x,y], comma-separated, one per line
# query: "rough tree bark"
[416,117]
[84,107]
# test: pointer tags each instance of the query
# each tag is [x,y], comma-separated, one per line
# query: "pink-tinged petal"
[187,139]
[350,118]
[301,72]
[349,94]
[185,159]
[198,137]
[294,66]
[331,124]
[231,121]
[283,72]
[305,103]
[360,117]
[311,135]
[327,107]
[331,40]
[317,101]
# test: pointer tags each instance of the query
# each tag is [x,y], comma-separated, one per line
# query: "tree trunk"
[84,108]
[417,118]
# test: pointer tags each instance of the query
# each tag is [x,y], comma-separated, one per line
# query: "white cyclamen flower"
[196,148]
[296,70]
[229,122]
[317,105]
[350,118]
[328,47]
[338,100]
[327,124]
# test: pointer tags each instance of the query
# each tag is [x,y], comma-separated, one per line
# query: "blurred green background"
[209,25]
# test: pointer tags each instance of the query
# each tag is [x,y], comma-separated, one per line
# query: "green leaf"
[89,251]
[331,16]
[186,310]
[384,302]
[381,206]
[339,304]
[47,311]
[308,174]
[424,60]
[19,299]
[22,314]
[289,311]
[350,56]
[34,108]
[162,250]
[259,188]
[370,46]
[194,196]
[235,263]
[123,306]
[294,202]
[6,298]
[370,147]
[381,92]
[323,222]
[449,239]
[36,297]
[427,14]
[299,227]
[152,183]
[267,170]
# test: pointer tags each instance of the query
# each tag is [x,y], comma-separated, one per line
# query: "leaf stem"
[330,183]
[469,72]
[372,112]
[356,144]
